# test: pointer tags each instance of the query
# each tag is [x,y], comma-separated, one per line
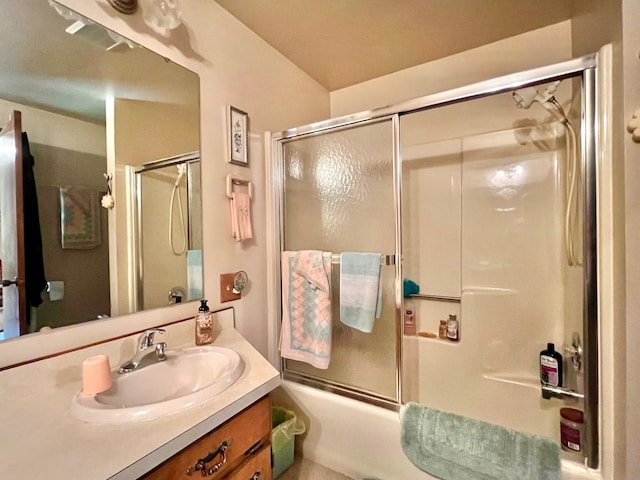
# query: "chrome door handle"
[6,283]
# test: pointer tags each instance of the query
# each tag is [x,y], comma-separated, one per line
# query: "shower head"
[182,170]
[525,97]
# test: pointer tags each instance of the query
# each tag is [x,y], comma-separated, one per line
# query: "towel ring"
[233,180]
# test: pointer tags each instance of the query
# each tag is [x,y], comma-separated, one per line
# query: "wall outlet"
[226,288]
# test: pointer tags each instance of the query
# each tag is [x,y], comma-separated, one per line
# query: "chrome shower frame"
[136,187]
[584,68]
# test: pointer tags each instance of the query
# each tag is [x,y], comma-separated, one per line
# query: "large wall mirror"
[99,115]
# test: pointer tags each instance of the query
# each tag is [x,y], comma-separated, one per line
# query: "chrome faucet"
[146,347]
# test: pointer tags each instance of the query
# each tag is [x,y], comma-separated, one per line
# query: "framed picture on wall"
[237,136]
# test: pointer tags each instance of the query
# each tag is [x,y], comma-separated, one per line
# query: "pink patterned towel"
[306,307]
[240,207]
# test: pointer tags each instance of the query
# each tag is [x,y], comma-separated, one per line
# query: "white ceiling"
[44,67]
[344,42]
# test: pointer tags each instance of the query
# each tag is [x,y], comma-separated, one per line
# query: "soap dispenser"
[206,326]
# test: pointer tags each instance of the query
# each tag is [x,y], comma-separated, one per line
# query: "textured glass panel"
[338,196]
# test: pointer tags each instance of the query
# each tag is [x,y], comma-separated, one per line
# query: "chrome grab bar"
[560,392]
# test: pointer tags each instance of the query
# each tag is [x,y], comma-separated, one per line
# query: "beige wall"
[631,92]
[552,45]
[68,133]
[85,272]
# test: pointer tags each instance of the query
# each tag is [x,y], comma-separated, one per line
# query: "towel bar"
[436,298]
[559,392]
[386,260]
[234,180]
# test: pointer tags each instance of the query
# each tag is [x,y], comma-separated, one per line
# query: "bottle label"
[452,329]
[570,437]
[549,371]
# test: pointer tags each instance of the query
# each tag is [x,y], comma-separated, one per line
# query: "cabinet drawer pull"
[255,447]
[256,475]
[201,465]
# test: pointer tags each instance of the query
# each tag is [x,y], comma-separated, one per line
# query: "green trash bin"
[284,427]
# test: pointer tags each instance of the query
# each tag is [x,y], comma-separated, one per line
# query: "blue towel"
[360,290]
[409,287]
[194,275]
[452,447]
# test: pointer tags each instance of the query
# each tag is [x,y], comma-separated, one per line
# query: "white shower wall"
[483,218]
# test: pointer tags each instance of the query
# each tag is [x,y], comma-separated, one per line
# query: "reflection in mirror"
[169,210]
[92,104]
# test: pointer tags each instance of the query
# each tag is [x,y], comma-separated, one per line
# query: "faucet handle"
[145,340]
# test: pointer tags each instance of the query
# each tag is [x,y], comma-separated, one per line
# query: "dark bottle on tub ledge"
[550,368]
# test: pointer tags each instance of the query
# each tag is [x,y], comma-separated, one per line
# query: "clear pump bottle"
[206,325]
[453,328]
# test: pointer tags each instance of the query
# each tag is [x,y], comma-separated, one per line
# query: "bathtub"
[357,439]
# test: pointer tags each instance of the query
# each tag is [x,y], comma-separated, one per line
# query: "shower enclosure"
[168,224]
[484,196]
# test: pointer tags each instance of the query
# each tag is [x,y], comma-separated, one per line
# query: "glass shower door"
[338,197]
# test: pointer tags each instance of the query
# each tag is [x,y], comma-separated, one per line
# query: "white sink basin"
[187,377]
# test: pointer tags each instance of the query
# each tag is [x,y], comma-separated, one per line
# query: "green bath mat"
[452,447]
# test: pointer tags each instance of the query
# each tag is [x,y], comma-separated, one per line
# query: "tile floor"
[303,469]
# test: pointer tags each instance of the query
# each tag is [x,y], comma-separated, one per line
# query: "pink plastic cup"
[96,375]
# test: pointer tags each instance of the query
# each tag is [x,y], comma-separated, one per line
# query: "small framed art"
[237,136]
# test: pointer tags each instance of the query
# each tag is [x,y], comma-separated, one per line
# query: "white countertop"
[41,439]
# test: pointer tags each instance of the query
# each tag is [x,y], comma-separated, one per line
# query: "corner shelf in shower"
[435,298]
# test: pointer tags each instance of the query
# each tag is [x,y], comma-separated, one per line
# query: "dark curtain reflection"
[34,264]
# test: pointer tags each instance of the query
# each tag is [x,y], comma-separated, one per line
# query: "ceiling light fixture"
[124,6]
[162,15]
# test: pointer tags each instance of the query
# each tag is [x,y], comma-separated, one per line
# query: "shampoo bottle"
[409,322]
[551,367]
[206,327]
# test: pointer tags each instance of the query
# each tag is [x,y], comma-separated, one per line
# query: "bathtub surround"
[452,447]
